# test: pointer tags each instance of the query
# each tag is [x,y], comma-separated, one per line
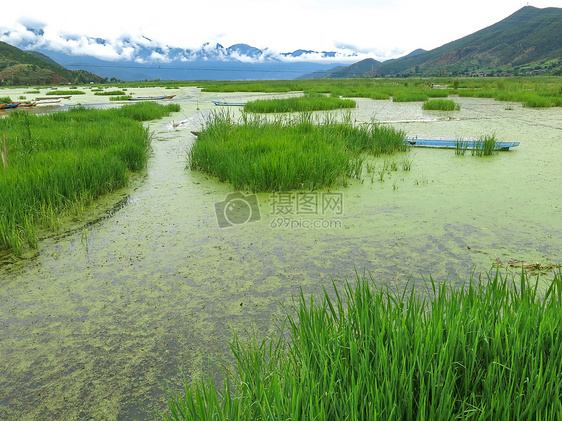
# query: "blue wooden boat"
[457,144]
[151,98]
[223,103]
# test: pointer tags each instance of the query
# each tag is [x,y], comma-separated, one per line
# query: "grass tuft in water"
[485,146]
[288,152]
[311,102]
[441,105]
[57,160]
[461,146]
[491,349]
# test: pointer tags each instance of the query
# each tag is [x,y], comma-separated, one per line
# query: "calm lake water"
[94,321]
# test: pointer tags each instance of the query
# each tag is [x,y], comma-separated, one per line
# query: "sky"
[380,29]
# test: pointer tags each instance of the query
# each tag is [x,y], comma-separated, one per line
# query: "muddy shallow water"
[99,317]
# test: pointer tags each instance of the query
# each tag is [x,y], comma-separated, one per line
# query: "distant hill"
[320,74]
[528,40]
[528,36]
[19,67]
[357,69]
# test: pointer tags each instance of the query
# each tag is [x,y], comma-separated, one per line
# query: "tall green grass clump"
[441,105]
[116,92]
[313,102]
[57,160]
[485,146]
[286,153]
[488,350]
[410,96]
[63,92]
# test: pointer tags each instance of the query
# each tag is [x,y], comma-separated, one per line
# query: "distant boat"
[223,103]
[48,101]
[54,97]
[456,144]
[27,105]
[151,98]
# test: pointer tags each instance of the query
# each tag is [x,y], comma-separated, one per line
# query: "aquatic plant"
[407,163]
[312,102]
[291,152]
[120,98]
[441,105]
[110,93]
[460,146]
[410,96]
[61,92]
[491,348]
[485,146]
[64,158]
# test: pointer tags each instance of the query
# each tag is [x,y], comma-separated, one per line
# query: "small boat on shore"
[10,105]
[151,98]
[53,97]
[229,104]
[48,101]
[457,144]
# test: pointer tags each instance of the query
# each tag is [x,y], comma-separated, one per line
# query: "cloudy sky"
[380,29]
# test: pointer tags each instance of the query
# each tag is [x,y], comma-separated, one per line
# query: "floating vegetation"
[491,347]
[51,162]
[312,102]
[441,105]
[290,152]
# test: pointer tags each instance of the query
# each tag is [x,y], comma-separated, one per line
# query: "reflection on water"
[93,323]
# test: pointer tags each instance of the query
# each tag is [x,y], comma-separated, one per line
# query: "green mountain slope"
[356,69]
[19,67]
[530,37]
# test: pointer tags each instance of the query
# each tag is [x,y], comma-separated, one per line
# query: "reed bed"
[531,91]
[62,92]
[57,160]
[109,93]
[441,105]
[410,96]
[491,349]
[311,102]
[286,153]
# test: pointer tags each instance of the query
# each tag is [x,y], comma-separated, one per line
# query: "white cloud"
[377,28]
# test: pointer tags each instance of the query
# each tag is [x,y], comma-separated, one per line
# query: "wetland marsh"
[96,319]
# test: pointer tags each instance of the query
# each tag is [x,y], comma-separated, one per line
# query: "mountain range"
[527,41]
[530,40]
